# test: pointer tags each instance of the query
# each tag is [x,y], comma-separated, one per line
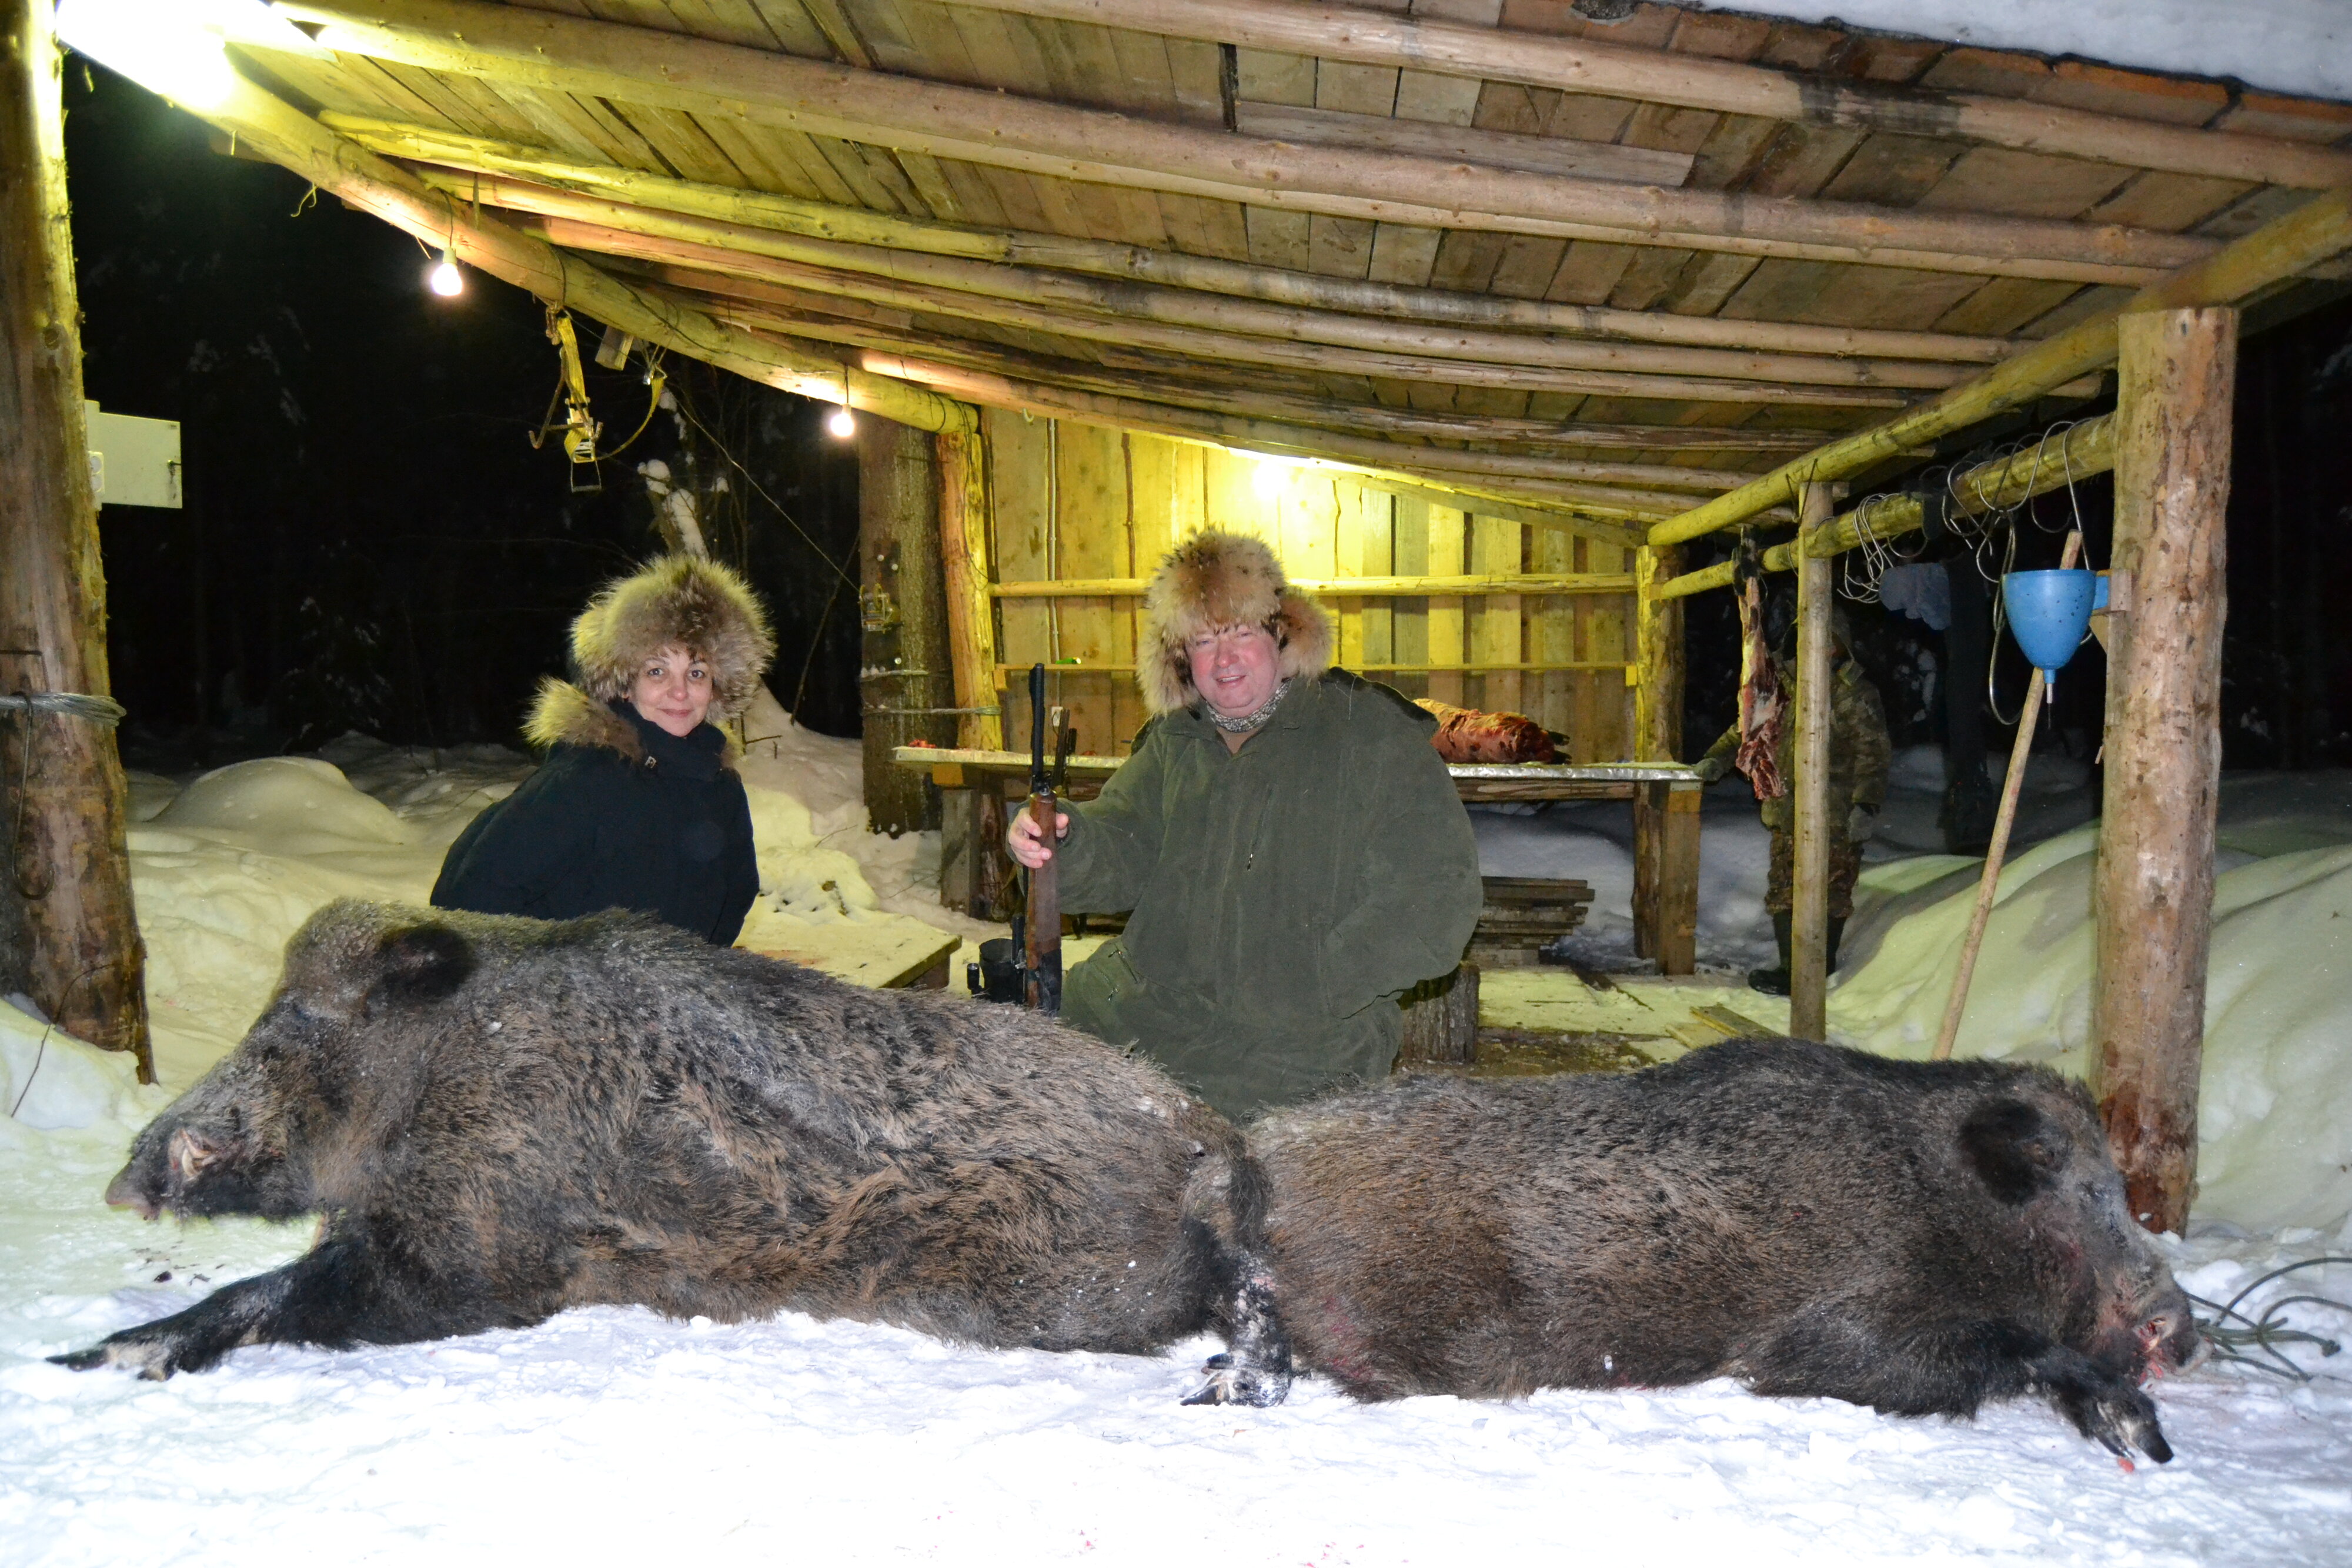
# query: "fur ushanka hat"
[1210,581]
[678,599]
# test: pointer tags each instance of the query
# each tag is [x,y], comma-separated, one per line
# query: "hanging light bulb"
[842,422]
[445,279]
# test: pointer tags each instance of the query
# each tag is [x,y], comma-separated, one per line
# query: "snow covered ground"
[613,1435]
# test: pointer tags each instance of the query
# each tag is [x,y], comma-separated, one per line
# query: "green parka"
[1283,895]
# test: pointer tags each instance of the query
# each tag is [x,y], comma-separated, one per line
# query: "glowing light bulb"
[842,422]
[445,279]
[166,49]
[1272,478]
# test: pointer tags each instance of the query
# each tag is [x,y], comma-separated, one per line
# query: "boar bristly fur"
[1921,1237]
[501,1118]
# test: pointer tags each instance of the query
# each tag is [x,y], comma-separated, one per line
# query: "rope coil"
[99,710]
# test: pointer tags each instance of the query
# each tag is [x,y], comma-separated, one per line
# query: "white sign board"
[133,462]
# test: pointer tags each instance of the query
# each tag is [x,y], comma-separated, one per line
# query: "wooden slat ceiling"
[1572,350]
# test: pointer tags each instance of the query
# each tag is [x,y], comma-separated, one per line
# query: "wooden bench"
[1523,914]
[917,959]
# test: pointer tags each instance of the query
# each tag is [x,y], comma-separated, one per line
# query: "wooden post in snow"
[902,610]
[2153,894]
[67,933]
[1809,873]
[1666,818]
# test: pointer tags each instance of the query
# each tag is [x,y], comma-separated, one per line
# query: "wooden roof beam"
[2087,449]
[293,140]
[1365,37]
[1157,378]
[1604,514]
[814,315]
[524,46]
[2311,235]
[946,364]
[1475,586]
[634,189]
[957,286]
[1230,345]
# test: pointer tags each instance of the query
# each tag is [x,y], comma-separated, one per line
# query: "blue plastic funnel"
[2049,613]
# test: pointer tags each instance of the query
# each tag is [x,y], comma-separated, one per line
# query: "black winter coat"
[623,815]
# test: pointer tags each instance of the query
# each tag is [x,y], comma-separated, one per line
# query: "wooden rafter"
[1614,503]
[631,190]
[1467,586]
[2308,237]
[1366,37]
[1074,305]
[2080,453]
[1844,383]
[372,184]
[527,47]
[1602,512]
[1571,480]
[1168,378]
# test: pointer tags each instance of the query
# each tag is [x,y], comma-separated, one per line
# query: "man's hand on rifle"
[1021,839]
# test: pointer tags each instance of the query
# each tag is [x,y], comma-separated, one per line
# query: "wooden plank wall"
[1071,501]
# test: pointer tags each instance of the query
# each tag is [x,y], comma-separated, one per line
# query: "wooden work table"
[1664,795]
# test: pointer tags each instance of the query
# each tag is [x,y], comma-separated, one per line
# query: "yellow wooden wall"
[1070,502]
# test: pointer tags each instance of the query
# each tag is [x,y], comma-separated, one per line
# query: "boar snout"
[125,1191]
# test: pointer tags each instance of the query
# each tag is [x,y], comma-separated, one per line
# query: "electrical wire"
[2264,1335]
[687,412]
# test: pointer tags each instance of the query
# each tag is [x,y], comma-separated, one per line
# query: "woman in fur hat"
[1290,846]
[637,806]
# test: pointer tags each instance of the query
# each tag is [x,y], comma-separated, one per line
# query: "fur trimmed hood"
[1212,580]
[682,600]
[562,712]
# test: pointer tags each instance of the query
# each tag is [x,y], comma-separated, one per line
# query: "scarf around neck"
[1248,721]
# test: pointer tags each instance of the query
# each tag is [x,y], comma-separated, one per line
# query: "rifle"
[1042,921]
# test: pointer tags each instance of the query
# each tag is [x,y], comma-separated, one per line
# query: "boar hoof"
[155,1359]
[2116,1415]
[1231,1383]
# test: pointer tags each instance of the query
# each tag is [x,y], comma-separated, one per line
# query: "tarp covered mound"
[2274,1117]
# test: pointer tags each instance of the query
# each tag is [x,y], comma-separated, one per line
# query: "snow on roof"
[2300,47]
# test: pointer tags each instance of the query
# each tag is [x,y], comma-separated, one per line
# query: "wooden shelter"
[1480,310]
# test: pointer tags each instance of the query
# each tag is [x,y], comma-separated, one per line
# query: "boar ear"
[421,964]
[2012,1149]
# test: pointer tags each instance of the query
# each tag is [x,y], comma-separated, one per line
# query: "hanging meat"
[1467,735]
[1763,704]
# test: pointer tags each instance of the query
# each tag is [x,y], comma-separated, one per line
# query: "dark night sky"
[370,540]
[371,543]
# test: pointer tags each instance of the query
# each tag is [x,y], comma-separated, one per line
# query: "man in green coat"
[1860,753]
[1289,843]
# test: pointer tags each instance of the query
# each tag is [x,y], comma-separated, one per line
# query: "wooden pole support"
[1665,820]
[2153,891]
[1666,874]
[68,932]
[971,618]
[1658,642]
[904,613]
[1809,911]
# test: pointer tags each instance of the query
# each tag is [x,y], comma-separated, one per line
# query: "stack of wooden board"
[1523,914]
